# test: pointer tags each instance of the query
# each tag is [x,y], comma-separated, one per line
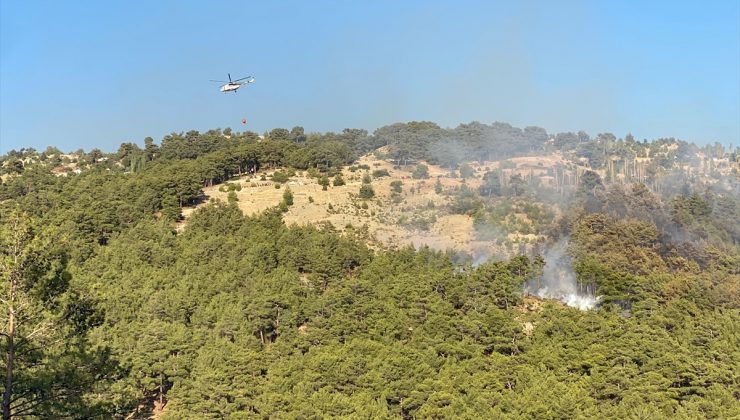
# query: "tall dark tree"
[47,372]
[150,148]
[491,185]
[297,134]
[279,134]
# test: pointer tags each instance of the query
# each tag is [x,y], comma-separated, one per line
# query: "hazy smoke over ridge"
[558,280]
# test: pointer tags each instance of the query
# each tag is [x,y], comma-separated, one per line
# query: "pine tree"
[367,192]
[47,370]
[288,197]
[324,182]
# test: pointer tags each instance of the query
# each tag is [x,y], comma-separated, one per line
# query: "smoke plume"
[558,280]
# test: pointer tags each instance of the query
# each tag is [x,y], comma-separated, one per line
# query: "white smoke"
[558,281]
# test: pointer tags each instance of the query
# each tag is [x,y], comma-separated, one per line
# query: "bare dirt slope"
[388,222]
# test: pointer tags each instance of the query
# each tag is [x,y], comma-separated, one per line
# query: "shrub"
[367,192]
[324,182]
[438,187]
[288,196]
[355,168]
[396,186]
[280,176]
[379,173]
[421,172]
[466,171]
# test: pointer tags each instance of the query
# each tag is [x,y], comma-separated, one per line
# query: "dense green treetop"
[109,310]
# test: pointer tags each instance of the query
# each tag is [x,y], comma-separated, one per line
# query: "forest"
[119,303]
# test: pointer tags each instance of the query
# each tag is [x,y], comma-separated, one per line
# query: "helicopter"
[233,85]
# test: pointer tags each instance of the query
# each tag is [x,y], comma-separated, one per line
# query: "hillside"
[213,276]
[383,218]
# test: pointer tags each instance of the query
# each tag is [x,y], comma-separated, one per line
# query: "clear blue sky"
[97,73]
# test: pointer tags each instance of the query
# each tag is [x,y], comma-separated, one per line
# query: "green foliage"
[517,185]
[496,221]
[49,368]
[288,197]
[421,172]
[244,317]
[367,192]
[491,185]
[711,217]
[396,186]
[338,180]
[324,182]
[423,140]
[323,155]
[366,179]
[279,134]
[418,222]
[280,176]
[230,186]
[355,168]
[466,201]
[379,173]
[466,171]
[626,245]
[171,209]
[237,313]
[590,181]
[313,173]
